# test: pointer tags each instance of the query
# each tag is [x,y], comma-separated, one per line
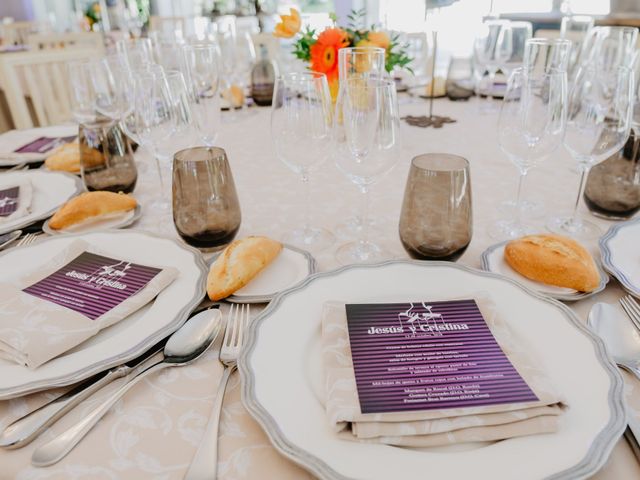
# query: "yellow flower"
[379,39]
[289,25]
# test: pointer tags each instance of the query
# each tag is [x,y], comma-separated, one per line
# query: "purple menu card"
[92,284]
[44,144]
[429,355]
[9,199]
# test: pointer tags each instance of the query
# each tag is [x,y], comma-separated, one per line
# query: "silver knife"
[24,430]
[27,428]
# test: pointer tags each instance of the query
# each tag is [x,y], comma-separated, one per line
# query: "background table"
[154,430]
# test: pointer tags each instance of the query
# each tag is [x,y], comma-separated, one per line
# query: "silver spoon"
[622,340]
[183,347]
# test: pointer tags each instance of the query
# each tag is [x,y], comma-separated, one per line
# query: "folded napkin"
[70,299]
[22,146]
[15,199]
[426,428]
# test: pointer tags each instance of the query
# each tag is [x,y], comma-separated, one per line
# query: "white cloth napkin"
[34,330]
[24,197]
[428,428]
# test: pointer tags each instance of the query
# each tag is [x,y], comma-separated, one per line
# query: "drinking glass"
[358,62]
[531,126]
[136,51]
[492,48]
[520,33]
[600,107]
[436,219]
[106,159]
[367,147]
[301,129]
[245,58]
[575,28]
[206,211]
[92,92]
[546,55]
[203,74]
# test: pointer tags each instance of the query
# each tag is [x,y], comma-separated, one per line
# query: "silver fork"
[632,309]
[28,239]
[205,462]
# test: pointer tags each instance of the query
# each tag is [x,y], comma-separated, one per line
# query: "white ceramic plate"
[14,139]
[124,340]
[105,222]
[493,261]
[50,191]
[289,268]
[621,255]
[281,368]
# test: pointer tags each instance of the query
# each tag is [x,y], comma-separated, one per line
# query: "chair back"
[36,85]
[49,41]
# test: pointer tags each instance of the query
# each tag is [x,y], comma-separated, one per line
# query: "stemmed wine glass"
[531,126]
[301,129]
[367,144]
[574,28]
[600,108]
[203,76]
[492,49]
[521,32]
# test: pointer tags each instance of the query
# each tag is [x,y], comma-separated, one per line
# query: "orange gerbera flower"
[289,24]
[324,53]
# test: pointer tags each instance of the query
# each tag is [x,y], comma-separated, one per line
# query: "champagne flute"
[358,62]
[367,147]
[531,126]
[301,129]
[203,74]
[600,108]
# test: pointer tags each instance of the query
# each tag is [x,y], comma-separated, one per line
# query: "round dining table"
[153,432]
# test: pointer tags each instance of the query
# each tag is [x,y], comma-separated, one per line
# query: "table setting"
[422,321]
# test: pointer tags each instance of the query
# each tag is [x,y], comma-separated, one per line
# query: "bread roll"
[90,205]
[240,262]
[65,158]
[554,260]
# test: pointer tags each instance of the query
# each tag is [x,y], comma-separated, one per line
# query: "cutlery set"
[184,346]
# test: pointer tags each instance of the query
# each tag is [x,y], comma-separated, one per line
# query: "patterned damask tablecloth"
[154,430]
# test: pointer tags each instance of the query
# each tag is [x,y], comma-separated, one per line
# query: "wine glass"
[203,74]
[367,147]
[245,58]
[600,108]
[136,51]
[493,48]
[531,126]
[92,92]
[521,32]
[575,28]
[358,62]
[301,129]
[155,120]
[544,55]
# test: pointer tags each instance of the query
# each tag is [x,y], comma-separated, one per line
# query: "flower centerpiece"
[321,49]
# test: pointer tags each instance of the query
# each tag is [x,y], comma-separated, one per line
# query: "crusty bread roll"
[90,205]
[554,260]
[240,262]
[65,158]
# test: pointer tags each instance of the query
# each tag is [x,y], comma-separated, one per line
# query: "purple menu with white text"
[9,199]
[429,355]
[92,284]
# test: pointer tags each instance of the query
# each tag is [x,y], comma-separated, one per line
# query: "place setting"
[269,242]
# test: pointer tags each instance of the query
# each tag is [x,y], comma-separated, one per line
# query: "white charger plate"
[621,256]
[126,339]
[49,191]
[14,139]
[290,267]
[104,222]
[292,413]
[493,261]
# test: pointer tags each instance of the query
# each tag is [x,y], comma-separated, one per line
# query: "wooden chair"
[39,80]
[49,41]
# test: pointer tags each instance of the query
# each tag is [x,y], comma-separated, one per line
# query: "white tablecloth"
[154,430]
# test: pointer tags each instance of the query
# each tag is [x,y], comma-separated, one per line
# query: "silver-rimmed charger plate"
[49,191]
[288,407]
[126,339]
[289,268]
[621,255]
[493,261]
[109,223]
